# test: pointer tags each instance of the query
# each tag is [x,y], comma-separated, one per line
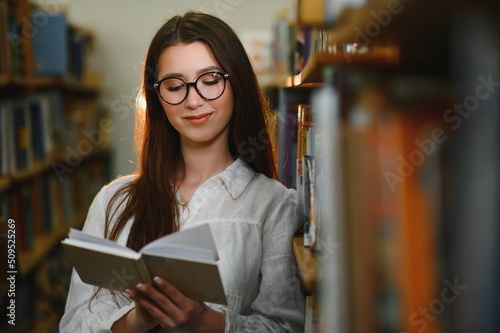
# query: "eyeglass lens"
[209,86]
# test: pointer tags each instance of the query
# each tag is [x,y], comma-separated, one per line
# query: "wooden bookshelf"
[22,175]
[44,243]
[377,56]
[46,324]
[92,85]
[4,80]
[32,192]
[402,77]
[4,183]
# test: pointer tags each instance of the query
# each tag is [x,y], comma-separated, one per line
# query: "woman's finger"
[142,296]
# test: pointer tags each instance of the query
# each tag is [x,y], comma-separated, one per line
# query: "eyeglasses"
[174,90]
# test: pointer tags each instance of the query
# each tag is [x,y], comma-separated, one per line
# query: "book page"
[196,242]
[104,248]
[84,240]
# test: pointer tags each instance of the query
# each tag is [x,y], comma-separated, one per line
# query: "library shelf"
[60,104]
[307,264]
[4,80]
[312,75]
[23,175]
[91,85]
[374,56]
[46,325]
[4,183]
[43,244]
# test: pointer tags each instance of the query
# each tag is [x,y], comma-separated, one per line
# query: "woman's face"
[200,122]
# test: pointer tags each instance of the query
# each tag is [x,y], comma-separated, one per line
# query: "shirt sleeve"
[280,304]
[107,306]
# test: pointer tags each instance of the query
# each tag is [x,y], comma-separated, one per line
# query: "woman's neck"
[201,164]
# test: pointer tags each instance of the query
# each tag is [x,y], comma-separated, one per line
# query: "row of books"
[404,184]
[33,207]
[30,128]
[291,47]
[392,196]
[392,214]
[57,48]
[11,54]
[39,297]
[36,128]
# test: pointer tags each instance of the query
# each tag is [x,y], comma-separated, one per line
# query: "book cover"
[6,141]
[22,142]
[37,131]
[187,259]
[47,124]
[50,45]
[6,56]
[287,136]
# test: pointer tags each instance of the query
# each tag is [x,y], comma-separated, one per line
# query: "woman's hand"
[166,305]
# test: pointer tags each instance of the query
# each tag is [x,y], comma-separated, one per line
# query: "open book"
[187,259]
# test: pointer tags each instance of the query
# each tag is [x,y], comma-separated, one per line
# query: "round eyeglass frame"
[158,83]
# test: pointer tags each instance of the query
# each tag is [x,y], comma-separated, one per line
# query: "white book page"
[179,251]
[80,235]
[196,242]
[103,248]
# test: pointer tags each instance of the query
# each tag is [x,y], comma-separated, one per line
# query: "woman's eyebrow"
[207,69]
[200,71]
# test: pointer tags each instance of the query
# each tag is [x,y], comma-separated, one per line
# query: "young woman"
[205,157]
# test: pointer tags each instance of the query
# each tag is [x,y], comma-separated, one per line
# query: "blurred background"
[386,117]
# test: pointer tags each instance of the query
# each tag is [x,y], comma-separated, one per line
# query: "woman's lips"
[198,119]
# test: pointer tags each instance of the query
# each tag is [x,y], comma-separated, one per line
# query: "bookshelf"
[410,157]
[54,153]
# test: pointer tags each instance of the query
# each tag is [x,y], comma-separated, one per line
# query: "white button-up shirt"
[253,219]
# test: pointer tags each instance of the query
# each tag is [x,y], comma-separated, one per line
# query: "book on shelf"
[187,259]
[31,129]
[287,143]
[50,44]
[22,134]
[291,47]
[310,205]
[391,218]
[304,122]
[5,52]
[15,49]
[6,142]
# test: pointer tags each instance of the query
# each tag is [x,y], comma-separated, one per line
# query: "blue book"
[21,135]
[50,44]
[37,130]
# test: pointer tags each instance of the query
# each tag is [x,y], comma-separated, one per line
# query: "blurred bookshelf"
[416,146]
[54,152]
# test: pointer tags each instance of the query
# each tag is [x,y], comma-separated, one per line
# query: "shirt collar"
[236,177]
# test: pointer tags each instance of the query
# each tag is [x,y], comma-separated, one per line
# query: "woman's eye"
[173,87]
[211,82]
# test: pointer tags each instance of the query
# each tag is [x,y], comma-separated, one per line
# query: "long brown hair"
[151,199]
